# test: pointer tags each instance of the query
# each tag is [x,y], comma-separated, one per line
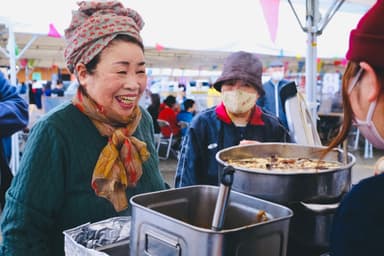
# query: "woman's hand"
[379,166]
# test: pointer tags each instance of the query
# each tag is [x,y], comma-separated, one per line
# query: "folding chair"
[166,141]
[183,124]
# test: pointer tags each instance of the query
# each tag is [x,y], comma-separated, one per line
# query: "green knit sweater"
[52,190]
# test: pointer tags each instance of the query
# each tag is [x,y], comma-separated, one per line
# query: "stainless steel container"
[178,222]
[325,186]
[311,226]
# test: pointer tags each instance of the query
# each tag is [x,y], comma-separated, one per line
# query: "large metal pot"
[325,186]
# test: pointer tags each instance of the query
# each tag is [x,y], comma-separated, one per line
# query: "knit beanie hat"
[366,42]
[242,66]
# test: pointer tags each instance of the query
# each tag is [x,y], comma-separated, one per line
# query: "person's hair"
[170,100]
[91,66]
[183,86]
[155,100]
[350,72]
[188,103]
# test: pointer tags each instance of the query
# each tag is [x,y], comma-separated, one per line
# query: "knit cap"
[243,66]
[366,42]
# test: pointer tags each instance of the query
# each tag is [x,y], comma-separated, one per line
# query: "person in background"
[184,117]
[31,95]
[358,223]
[48,88]
[13,118]
[181,96]
[37,89]
[85,160]
[168,112]
[236,120]
[154,109]
[22,89]
[271,101]
[59,89]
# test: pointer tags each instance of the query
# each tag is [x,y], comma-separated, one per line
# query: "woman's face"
[364,89]
[118,81]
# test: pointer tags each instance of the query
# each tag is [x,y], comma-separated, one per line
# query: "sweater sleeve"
[35,196]
[13,109]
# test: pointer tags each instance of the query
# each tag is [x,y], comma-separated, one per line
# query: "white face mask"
[238,101]
[277,75]
[367,127]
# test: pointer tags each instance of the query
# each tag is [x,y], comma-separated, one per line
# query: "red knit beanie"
[366,42]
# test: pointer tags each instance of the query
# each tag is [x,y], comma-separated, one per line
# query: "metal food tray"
[118,246]
[178,222]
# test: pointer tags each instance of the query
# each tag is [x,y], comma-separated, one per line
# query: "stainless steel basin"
[178,222]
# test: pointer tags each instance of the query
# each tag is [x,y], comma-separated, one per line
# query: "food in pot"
[277,163]
[261,216]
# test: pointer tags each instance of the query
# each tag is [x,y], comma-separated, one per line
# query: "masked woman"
[236,120]
[358,226]
[85,160]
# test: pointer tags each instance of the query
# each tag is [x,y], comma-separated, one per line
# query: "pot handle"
[222,198]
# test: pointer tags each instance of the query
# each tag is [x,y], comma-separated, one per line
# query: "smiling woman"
[118,80]
[85,159]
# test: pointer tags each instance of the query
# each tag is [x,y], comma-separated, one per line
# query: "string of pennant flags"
[271,14]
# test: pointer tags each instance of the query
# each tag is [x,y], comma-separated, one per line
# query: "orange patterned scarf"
[120,162]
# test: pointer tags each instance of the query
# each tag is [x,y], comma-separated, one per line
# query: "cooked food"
[261,216]
[277,163]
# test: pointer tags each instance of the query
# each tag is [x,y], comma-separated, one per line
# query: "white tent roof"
[196,34]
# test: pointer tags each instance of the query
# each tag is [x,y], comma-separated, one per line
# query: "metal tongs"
[222,198]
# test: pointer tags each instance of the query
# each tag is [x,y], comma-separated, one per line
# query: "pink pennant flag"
[159,47]
[271,15]
[23,62]
[53,31]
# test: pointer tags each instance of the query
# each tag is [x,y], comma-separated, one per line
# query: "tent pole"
[310,64]
[314,26]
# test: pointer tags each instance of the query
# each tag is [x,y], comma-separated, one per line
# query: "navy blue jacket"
[358,226]
[210,131]
[13,117]
[186,117]
[267,102]
[13,109]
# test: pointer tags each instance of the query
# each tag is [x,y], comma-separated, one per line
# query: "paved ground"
[362,169]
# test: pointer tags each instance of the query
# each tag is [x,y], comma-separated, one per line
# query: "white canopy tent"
[210,28]
[214,26]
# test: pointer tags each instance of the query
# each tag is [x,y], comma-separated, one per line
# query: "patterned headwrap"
[94,25]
